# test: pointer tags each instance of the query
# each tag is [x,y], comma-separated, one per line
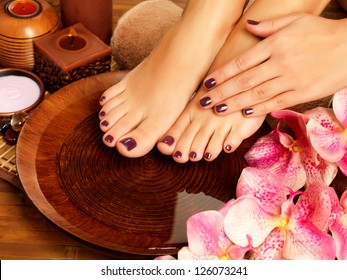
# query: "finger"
[239,84]
[268,27]
[250,98]
[247,60]
[279,102]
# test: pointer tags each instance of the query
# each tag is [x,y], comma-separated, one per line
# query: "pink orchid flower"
[327,130]
[278,227]
[294,160]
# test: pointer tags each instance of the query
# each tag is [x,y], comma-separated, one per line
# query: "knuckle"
[241,63]
[219,94]
[245,82]
[258,93]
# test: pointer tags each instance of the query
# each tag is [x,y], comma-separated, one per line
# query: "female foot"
[137,111]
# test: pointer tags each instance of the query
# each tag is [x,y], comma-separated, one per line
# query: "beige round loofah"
[140,29]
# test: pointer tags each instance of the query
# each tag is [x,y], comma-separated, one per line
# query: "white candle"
[17,93]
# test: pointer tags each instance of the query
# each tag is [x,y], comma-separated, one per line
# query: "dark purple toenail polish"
[205,101]
[193,155]
[109,138]
[102,114]
[208,156]
[210,83]
[168,140]
[129,143]
[105,123]
[228,148]
[221,108]
[177,154]
[102,98]
[248,111]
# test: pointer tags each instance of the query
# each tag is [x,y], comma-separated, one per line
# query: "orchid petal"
[325,134]
[304,241]
[340,106]
[339,233]
[271,248]
[265,186]
[203,230]
[265,152]
[295,121]
[314,205]
[246,218]
[186,254]
[268,153]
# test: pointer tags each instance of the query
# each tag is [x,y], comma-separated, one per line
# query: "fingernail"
[248,111]
[105,123]
[252,22]
[205,101]
[210,83]
[109,138]
[129,143]
[177,154]
[102,114]
[168,140]
[221,108]
[102,98]
[193,155]
[207,156]
[228,148]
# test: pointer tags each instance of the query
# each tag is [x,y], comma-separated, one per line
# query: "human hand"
[302,58]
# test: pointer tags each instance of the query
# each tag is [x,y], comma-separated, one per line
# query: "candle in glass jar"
[23,9]
[17,93]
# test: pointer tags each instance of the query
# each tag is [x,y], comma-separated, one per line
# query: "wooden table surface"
[26,234]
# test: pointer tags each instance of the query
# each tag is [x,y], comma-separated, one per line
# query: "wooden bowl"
[138,206]
[18,93]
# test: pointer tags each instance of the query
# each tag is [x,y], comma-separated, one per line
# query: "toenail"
[105,123]
[210,83]
[193,155]
[102,114]
[168,140]
[129,143]
[177,154]
[102,98]
[248,111]
[228,148]
[109,138]
[205,101]
[221,108]
[208,156]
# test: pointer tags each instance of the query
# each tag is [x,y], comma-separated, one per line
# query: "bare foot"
[137,111]
[201,134]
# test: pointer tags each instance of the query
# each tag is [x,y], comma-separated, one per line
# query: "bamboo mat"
[24,232]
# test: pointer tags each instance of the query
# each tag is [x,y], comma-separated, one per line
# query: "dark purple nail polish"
[102,114]
[129,143]
[228,148]
[102,98]
[193,155]
[177,154]
[210,83]
[168,140]
[248,111]
[252,22]
[208,156]
[221,108]
[205,101]
[105,123]
[109,138]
